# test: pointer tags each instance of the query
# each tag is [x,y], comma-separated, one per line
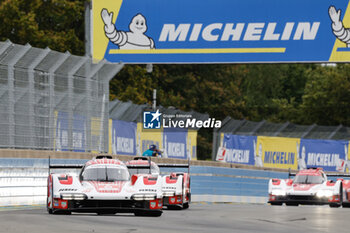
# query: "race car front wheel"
[276,203]
[337,205]
[292,204]
[149,213]
[346,205]
[49,198]
[185,206]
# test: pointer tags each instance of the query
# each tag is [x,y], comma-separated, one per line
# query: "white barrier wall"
[24,182]
[22,186]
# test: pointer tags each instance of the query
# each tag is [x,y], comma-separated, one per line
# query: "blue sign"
[78,132]
[331,155]
[226,31]
[240,149]
[123,137]
[152,120]
[175,143]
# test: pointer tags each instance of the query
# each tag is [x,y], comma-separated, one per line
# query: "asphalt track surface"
[200,217]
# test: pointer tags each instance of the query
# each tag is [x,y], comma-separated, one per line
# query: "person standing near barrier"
[152,151]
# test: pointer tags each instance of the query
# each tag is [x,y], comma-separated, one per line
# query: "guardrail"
[23,182]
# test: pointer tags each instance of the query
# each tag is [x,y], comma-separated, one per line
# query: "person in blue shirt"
[152,151]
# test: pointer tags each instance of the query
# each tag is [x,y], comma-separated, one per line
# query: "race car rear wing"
[159,165]
[330,174]
[74,166]
[63,166]
[66,166]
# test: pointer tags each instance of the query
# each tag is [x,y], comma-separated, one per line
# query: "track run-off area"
[200,217]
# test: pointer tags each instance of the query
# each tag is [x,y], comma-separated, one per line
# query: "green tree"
[327,96]
[57,24]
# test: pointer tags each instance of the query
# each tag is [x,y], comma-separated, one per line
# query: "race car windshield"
[306,179]
[105,173]
[135,170]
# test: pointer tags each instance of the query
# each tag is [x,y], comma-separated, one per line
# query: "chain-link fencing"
[53,101]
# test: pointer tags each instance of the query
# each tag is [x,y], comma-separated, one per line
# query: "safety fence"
[43,92]
[24,182]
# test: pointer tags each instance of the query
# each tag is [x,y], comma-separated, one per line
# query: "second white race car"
[309,186]
[175,186]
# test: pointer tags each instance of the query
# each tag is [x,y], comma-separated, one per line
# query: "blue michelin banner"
[331,155]
[239,148]
[78,132]
[123,137]
[175,144]
[225,31]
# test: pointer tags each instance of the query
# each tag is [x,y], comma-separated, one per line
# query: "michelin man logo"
[134,39]
[302,159]
[258,157]
[343,34]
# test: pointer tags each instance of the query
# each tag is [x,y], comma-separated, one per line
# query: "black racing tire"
[155,214]
[334,205]
[49,210]
[346,205]
[174,207]
[149,213]
[292,204]
[276,203]
[340,203]
[61,212]
[185,206]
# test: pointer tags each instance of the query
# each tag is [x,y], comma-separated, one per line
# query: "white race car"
[175,186]
[104,186]
[309,186]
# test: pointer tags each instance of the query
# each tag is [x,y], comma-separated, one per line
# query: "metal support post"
[31,91]
[71,100]
[89,79]
[11,90]
[52,106]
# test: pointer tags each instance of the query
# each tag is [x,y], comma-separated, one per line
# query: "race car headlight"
[278,192]
[150,197]
[73,196]
[138,197]
[141,197]
[168,194]
[324,193]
